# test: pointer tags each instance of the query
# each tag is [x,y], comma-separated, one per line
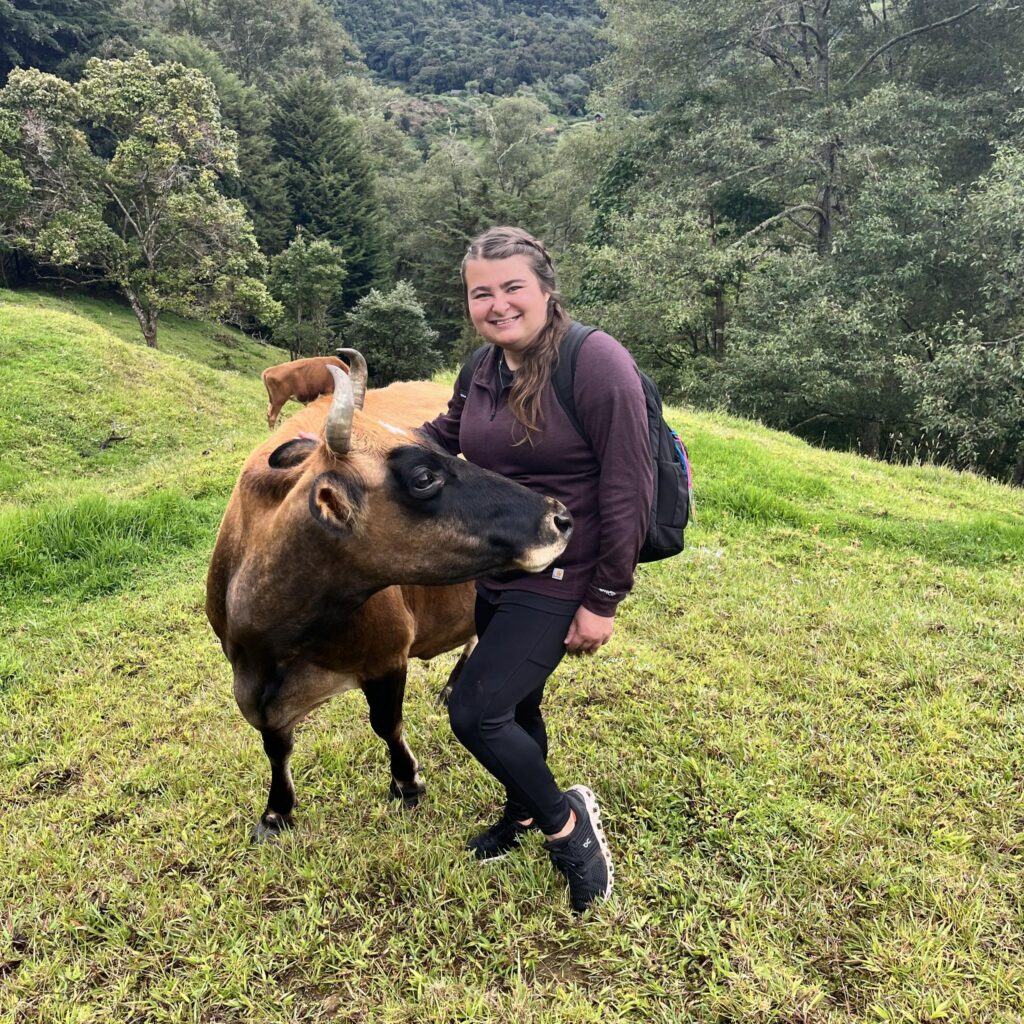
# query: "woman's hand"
[589,631]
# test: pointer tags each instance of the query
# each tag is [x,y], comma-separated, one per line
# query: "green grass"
[806,735]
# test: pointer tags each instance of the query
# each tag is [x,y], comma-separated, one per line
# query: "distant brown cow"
[301,379]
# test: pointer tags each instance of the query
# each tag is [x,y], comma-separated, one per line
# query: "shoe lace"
[564,860]
[502,828]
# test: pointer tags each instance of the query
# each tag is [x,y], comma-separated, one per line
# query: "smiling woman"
[506,418]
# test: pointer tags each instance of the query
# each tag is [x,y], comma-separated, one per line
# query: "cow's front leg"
[384,696]
[278,816]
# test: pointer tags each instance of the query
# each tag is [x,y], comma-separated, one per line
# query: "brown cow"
[301,379]
[339,559]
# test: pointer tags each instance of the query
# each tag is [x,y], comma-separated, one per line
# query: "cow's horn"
[356,372]
[339,419]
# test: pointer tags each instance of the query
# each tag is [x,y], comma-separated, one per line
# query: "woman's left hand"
[589,631]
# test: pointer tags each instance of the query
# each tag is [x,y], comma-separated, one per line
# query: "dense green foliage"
[306,279]
[805,733]
[817,223]
[264,41]
[51,35]
[804,212]
[490,46]
[328,179]
[259,182]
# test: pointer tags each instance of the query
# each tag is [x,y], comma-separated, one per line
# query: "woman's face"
[507,303]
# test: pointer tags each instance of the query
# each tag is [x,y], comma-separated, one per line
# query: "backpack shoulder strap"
[565,372]
[469,368]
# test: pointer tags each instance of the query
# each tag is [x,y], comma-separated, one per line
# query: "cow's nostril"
[563,524]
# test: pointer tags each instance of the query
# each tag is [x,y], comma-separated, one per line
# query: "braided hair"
[539,358]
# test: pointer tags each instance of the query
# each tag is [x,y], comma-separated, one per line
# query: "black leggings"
[495,707]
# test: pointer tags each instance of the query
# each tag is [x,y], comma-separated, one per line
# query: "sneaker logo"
[586,843]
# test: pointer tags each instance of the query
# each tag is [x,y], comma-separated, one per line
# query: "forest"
[806,213]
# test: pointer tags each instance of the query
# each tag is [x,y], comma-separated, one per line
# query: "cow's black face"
[457,514]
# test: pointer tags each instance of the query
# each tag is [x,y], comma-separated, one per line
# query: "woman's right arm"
[444,429]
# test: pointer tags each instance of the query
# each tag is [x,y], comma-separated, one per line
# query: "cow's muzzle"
[555,531]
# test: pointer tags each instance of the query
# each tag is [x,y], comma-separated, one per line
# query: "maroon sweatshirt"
[607,487]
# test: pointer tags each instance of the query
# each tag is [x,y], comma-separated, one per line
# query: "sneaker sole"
[590,802]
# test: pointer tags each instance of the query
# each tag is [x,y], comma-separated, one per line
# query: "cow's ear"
[334,501]
[291,453]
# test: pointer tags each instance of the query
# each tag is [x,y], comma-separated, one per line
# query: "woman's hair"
[538,359]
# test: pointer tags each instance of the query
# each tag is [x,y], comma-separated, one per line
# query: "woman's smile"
[506,321]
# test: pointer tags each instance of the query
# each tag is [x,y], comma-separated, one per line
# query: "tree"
[123,168]
[443,206]
[259,183]
[513,128]
[329,179]
[392,333]
[966,376]
[306,279]
[45,35]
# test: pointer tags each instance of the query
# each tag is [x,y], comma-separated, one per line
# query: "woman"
[509,420]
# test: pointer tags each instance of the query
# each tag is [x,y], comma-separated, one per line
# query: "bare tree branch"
[1004,341]
[908,35]
[806,26]
[810,207]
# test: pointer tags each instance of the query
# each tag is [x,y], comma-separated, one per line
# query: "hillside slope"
[806,734]
[75,372]
[113,455]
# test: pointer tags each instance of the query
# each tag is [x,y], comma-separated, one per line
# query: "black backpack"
[673,480]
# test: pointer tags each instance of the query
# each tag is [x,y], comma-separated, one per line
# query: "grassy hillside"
[109,449]
[806,734]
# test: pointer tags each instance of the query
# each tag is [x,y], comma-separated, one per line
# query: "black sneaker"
[583,855]
[499,840]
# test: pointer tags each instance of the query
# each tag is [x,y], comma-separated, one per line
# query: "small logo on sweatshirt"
[557,574]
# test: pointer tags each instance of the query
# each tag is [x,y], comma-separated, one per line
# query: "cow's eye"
[424,482]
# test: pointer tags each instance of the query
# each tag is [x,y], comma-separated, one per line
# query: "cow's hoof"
[445,695]
[409,793]
[270,826]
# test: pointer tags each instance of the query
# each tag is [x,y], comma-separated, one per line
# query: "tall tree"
[123,170]
[263,42]
[391,331]
[306,278]
[259,183]
[329,179]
